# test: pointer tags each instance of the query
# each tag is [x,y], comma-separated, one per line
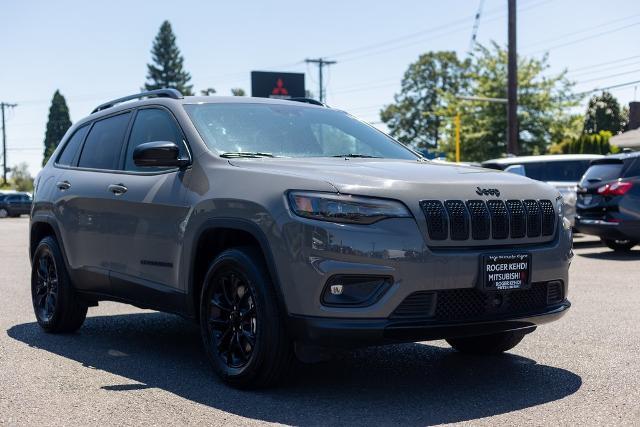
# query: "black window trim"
[125,146]
[76,156]
[76,160]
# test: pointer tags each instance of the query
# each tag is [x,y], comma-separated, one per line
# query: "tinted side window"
[152,124]
[633,169]
[71,148]
[103,145]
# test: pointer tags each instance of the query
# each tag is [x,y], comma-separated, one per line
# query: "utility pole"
[4,105]
[321,62]
[512,84]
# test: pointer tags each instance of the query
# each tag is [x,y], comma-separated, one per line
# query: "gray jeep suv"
[286,228]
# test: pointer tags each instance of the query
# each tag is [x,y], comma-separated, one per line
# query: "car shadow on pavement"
[412,384]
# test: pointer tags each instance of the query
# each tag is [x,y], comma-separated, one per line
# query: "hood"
[406,180]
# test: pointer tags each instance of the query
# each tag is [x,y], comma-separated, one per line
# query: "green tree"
[543,104]
[236,91]
[585,144]
[415,117]
[604,113]
[22,179]
[208,91]
[167,69]
[57,125]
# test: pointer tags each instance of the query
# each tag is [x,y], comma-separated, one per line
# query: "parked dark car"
[14,204]
[609,201]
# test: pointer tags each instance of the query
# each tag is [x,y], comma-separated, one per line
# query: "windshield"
[265,130]
[601,172]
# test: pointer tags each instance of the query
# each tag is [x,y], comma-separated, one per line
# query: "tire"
[4,213]
[242,328]
[55,303]
[487,344]
[620,245]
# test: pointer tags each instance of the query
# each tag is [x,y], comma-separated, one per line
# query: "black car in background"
[14,204]
[608,204]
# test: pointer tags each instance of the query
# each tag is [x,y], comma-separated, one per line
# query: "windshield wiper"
[254,154]
[361,156]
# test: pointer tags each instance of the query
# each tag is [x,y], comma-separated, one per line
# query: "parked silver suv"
[285,227]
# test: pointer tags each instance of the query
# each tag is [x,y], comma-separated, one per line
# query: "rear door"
[148,244]
[87,207]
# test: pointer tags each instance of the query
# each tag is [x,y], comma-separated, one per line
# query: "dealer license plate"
[506,271]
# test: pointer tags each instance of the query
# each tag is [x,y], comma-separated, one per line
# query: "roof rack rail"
[308,101]
[158,93]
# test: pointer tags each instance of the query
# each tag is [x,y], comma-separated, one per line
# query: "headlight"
[344,208]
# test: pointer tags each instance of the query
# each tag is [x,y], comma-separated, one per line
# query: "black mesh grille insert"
[499,219]
[458,219]
[534,218]
[418,304]
[469,304]
[548,217]
[480,220]
[518,219]
[437,222]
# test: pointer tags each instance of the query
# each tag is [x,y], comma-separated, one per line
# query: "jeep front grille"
[479,220]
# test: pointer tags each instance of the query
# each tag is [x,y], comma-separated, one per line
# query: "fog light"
[355,291]
[336,289]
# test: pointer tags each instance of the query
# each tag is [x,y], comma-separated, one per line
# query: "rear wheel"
[55,303]
[4,213]
[621,245]
[487,344]
[242,328]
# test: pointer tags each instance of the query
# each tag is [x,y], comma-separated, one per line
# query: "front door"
[147,246]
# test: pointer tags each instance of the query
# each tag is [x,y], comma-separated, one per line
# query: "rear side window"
[104,143]
[153,124]
[600,173]
[633,169]
[71,148]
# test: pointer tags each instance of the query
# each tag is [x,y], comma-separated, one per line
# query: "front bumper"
[353,333]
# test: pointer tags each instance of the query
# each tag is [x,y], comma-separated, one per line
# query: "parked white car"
[563,171]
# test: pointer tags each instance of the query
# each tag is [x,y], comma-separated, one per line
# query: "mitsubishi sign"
[270,84]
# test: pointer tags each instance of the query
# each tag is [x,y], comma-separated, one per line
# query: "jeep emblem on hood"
[487,191]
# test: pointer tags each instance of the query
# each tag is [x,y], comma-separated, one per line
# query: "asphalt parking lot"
[130,366]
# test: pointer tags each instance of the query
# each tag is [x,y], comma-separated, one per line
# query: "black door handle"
[63,185]
[117,189]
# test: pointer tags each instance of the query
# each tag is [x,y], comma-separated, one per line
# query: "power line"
[476,25]
[593,36]
[609,76]
[615,61]
[616,86]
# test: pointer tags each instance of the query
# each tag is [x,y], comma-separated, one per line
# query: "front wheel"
[620,245]
[4,213]
[242,328]
[487,344]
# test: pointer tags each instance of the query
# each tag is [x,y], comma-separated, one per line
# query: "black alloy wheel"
[242,327]
[57,306]
[45,291]
[232,318]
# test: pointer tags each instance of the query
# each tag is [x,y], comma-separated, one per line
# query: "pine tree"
[58,124]
[167,69]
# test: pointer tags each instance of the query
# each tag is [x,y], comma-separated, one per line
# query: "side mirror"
[517,169]
[158,153]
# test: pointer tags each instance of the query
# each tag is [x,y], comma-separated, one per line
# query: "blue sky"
[95,51]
